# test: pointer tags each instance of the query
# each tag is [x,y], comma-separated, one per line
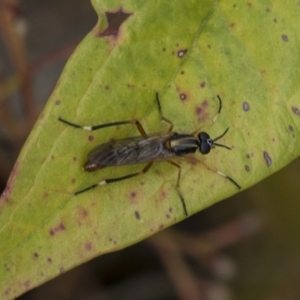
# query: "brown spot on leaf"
[91,138]
[163,194]
[7,291]
[27,284]
[88,246]
[131,86]
[137,215]
[61,270]
[200,111]
[246,106]
[49,260]
[181,53]
[291,128]
[267,158]
[285,38]
[82,212]
[35,255]
[191,160]
[183,96]
[114,20]
[296,110]
[203,84]
[249,4]
[247,168]
[59,227]
[107,87]
[57,102]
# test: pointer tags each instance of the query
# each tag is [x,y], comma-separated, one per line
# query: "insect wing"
[131,150]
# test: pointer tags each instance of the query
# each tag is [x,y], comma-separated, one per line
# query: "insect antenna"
[219,137]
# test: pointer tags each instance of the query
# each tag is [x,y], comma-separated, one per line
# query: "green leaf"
[189,52]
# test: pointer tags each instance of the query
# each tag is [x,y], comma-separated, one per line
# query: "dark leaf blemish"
[296,110]
[267,158]
[35,255]
[61,270]
[57,102]
[91,138]
[181,53]
[49,260]
[246,106]
[114,20]
[201,111]
[59,227]
[137,215]
[247,168]
[88,246]
[182,97]
[285,38]
[27,283]
[203,84]
[291,128]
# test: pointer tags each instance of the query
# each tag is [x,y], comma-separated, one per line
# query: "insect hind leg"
[111,180]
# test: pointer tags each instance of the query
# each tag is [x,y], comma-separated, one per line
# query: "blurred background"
[247,247]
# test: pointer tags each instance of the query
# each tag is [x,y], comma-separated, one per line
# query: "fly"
[148,148]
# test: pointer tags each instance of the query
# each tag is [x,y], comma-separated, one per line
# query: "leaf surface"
[189,52]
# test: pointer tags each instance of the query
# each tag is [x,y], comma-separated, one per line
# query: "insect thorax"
[183,144]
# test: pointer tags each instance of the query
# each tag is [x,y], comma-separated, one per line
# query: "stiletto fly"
[148,148]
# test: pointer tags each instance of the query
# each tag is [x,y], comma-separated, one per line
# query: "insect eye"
[205,144]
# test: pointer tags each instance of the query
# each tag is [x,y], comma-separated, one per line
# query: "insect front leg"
[161,114]
[96,127]
[111,180]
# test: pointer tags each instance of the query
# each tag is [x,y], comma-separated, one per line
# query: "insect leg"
[230,179]
[161,114]
[219,173]
[178,185]
[111,180]
[96,127]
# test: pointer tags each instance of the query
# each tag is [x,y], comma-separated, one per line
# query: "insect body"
[150,148]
